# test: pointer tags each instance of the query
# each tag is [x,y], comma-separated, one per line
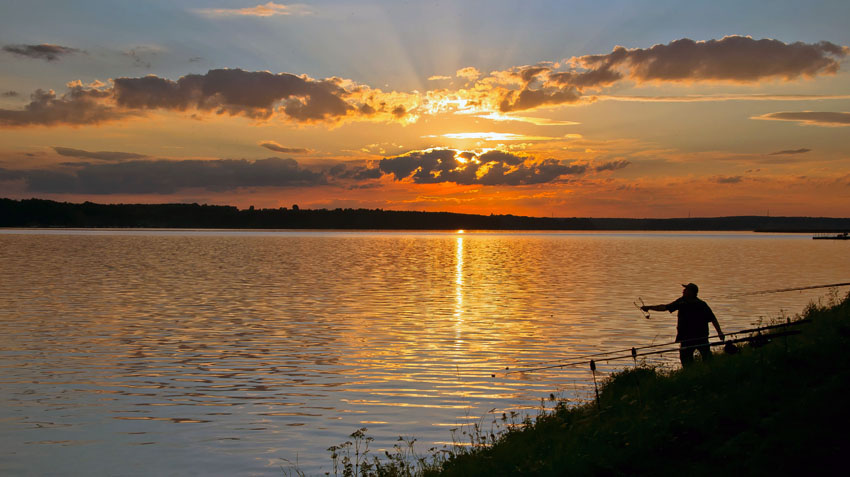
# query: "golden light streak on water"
[459,288]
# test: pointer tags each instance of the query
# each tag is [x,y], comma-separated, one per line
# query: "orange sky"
[272,105]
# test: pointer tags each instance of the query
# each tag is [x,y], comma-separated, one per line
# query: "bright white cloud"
[469,73]
[494,116]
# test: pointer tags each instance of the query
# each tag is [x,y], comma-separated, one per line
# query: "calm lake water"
[223,352]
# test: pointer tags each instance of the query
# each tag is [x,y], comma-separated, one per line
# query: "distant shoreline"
[39,213]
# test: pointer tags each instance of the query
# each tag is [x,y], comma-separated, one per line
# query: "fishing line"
[593,355]
[605,353]
[663,351]
[582,359]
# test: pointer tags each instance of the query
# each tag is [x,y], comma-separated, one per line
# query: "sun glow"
[437,102]
[459,290]
[496,136]
[496,116]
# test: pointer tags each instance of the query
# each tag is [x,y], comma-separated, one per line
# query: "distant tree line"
[48,213]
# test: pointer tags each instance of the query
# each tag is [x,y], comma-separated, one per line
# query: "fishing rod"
[584,358]
[716,343]
[658,345]
[782,290]
[649,353]
[592,355]
[640,307]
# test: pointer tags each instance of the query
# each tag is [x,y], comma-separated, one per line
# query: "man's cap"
[691,286]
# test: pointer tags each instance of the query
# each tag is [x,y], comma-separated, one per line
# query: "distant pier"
[839,236]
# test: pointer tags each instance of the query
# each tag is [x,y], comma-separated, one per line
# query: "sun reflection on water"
[459,291]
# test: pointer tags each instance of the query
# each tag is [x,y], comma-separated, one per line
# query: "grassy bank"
[780,408]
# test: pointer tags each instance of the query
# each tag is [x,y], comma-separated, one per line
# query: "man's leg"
[686,355]
[705,352]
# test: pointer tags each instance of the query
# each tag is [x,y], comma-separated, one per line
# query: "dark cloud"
[612,166]
[491,168]
[528,98]
[78,106]
[141,56]
[535,92]
[273,146]
[425,164]
[547,170]
[255,94]
[99,155]
[818,118]
[165,177]
[43,51]
[530,73]
[790,151]
[343,171]
[498,156]
[733,58]
[599,77]
[728,179]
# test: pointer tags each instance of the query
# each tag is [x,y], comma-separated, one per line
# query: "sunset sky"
[545,108]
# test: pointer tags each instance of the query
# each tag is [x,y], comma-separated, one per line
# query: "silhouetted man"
[692,326]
